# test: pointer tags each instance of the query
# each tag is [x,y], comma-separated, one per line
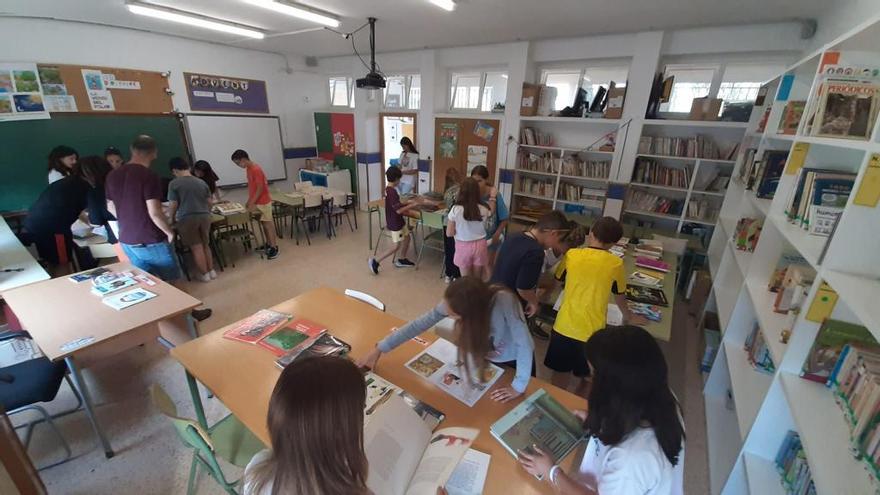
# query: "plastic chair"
[433,239]
[302,186]
[311,213]
[337,212]
[102,251]
[228,439]
[24,384]
[281,212]
[351,203]
[367,298]
[236,229]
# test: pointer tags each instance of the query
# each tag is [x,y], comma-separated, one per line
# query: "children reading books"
[490,326]
[259,199]
[465,224]
[590,274]
[395,222]
[636,444]
[316,423]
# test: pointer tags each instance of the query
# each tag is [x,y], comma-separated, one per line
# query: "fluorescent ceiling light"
[444,4]
[297,11]
[174,15]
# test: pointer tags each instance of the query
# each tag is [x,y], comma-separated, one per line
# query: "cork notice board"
[453,138]
[138,91]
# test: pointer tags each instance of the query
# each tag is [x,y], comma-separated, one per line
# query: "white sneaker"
[212,274]
[205,278]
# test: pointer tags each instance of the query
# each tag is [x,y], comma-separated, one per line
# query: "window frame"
[406,104]
[482,74]
[349,82]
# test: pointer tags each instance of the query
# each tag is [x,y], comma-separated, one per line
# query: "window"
[740,82]
[341,92]
[479,91]
[689,83]
[402,92]
[567,82]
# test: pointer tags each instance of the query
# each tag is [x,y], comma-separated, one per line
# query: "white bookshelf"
[767,406]
[715,124]
[571,120]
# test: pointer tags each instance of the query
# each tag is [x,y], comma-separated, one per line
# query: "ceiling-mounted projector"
[375,79]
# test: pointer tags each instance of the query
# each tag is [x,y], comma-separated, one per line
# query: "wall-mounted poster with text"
[225,94]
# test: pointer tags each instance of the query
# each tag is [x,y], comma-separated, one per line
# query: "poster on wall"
[476,155]
[225,94]
[484,131]
[100,98]
[55,95]
[21,95]
[448,140]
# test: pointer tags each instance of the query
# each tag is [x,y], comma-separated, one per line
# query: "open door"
[392,128]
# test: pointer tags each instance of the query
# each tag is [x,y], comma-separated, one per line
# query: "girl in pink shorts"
[466,225]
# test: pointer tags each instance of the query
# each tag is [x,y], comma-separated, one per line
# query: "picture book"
[405,457]
[380,390]
[649,311]
[299,335]
[649,250]
[847,109]
[746,234]
[128,298]
[652,264]
[787,259]
[325,345]
[791,117]
[647,295]
[228,208]
[254,327]
[110,277]
[642,277]
[757,351]
[795,284]
[832,336]
[539,420]
[469,476]
[113,286]
[439,364]
[87,275]
[774,163]
[829,196]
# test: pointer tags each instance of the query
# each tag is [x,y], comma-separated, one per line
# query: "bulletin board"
[462,143]
[334,135]
[137,92]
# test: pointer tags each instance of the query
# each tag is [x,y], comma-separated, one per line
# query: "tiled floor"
[149,457]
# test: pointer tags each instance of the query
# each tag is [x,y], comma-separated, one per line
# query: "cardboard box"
[705,108]
[614,108]
[531,93]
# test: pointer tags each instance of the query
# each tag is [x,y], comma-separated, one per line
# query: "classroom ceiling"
[415,24]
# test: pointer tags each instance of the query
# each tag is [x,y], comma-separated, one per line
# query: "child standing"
[590,274]
[259,199]
[466,226]
[395,222]
[190,201]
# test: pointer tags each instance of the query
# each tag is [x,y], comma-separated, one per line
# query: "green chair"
[433,232]
[228,439]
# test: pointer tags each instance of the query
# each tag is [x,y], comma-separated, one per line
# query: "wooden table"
[58,312]
[13,255]
[243,376]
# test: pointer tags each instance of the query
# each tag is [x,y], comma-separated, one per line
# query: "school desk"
[662,329]
[24,269]
[242,376]
[68,322]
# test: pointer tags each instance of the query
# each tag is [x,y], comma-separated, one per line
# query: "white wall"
[840,17]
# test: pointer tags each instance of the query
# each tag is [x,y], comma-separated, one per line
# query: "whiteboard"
[214,137]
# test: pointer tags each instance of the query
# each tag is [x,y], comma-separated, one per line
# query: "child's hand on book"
[536,462]
[369,361]
[504,394]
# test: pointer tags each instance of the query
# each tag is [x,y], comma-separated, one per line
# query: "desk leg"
[83,391]
[197,400]
[370,221]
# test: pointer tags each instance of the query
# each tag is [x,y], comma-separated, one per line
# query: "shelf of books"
[551,176]
[719,124]
[796,282]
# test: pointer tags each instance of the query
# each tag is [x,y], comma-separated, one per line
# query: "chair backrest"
[312,200]
[237,219]
[363,296]
[432,219]
[102,251]
[302,186]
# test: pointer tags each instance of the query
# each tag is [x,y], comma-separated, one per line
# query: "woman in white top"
[409,165]
[316,424]
[636,444]
[466,225]
[62,162]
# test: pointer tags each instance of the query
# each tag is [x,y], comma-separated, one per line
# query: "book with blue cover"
[773,164]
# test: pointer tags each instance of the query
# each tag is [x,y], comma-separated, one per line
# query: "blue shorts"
[156,259]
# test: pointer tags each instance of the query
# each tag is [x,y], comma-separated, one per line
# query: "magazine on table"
[405,456]
[299,335]
[439,364]
[87,275]
[128,298]
[251,329]
[647,295]
[113,286]
[380,391]
[325,345]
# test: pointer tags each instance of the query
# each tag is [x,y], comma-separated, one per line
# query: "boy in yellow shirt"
[590,274]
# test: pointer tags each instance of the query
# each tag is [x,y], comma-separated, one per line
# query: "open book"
[539,420]
[380,390]
[439,364]
[470,475]
[405,457]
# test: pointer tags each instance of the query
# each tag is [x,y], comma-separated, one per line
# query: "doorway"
[392,128]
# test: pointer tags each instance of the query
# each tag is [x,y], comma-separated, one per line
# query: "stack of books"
[537,187]
[649,248]
[544,162]
[698,146]
[534,137]
[791,462]
[845,104]
[758,352]
[653,172]
[644,201]
[701,209]
[747,167]
[818,199]
[830,351]
[746,234]
[593,169]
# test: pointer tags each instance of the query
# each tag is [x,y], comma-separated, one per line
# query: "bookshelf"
[763,407]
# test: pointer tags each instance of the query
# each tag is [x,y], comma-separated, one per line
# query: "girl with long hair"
[409,165]
[316,424]
[489,326]
[62,162]
[466,225]
[497,224]
[203,170]
[450,194]
[636,444]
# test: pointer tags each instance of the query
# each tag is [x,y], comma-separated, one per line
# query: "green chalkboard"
[25,146]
